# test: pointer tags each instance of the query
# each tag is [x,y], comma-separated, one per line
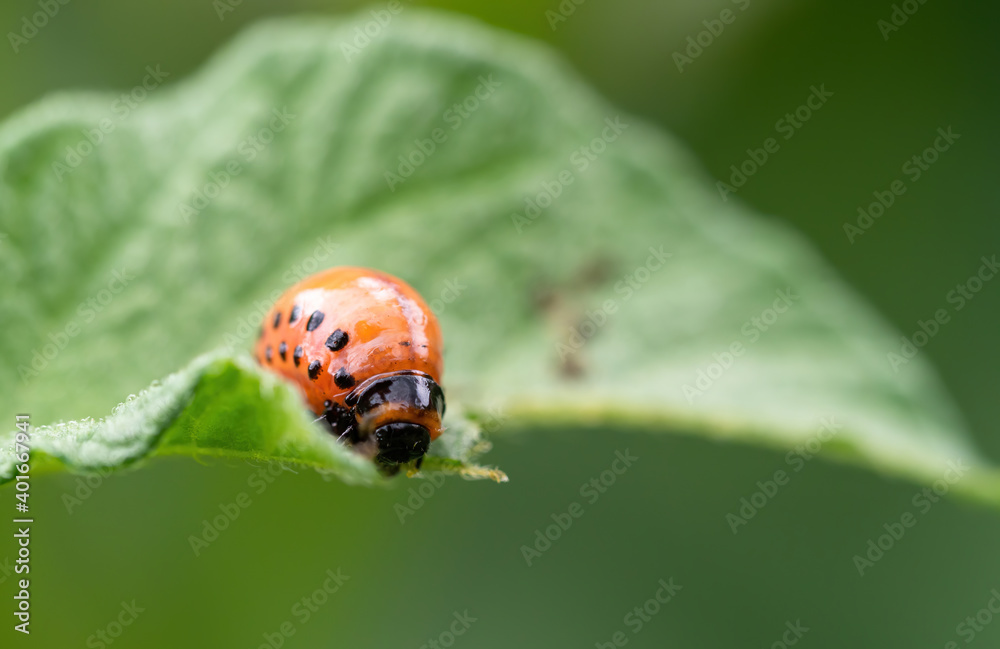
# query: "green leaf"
[584,271]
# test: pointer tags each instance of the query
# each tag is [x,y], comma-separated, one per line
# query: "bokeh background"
[665,517]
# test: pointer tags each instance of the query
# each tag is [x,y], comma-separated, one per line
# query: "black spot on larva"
[277,319]
[314,368]
[336,341]
[268,353]
[295,314]
[405,343]
[343,379]
[315,320]
[283,351]
[297,355]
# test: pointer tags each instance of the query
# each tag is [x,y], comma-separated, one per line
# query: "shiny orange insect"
[366,351]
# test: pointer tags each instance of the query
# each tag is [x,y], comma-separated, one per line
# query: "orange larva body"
[366,351]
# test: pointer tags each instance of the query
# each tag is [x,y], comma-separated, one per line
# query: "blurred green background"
[665,517]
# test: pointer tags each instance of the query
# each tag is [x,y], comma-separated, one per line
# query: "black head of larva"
[398,441]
